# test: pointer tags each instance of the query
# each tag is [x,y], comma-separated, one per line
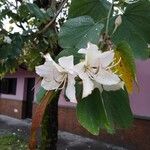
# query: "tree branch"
[54,18]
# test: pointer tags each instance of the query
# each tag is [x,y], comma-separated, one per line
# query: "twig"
[58,12]
[21,26]
[108,17]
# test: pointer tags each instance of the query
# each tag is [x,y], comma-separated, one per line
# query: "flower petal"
[92,47]
[45,70]
[67,63]
[106,78]
[48,58]
[99,86]
[49,84]
[92,55]
[70,89]
[106,58]
[114,87]
[88,85]
[79,69]
[82,51]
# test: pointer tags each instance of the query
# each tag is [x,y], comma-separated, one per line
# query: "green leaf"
[90,113]
[118,108]
[77,32]
[35,10]
[135,28]
[108,110]
[97,9]
[24,12]
[12,50]
[41,93]
[50,12]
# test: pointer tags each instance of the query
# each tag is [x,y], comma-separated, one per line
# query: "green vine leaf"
[77,32]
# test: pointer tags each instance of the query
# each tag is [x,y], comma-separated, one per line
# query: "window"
[8,86]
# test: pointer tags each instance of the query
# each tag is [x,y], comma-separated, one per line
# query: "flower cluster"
[95,71]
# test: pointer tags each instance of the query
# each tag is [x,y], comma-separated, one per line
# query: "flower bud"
[118,21]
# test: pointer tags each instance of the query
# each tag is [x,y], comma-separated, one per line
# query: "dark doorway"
[29,96]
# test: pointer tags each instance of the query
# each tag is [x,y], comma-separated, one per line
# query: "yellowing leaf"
[126,66]
[124,72]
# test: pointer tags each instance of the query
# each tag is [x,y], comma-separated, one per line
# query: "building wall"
[13,105]
[140,99]
[135,138]
[19,89]
[12,108]
[20,75]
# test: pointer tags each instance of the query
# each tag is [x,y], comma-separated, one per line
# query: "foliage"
[97,10]
[135,28]
[69,36]
[12,142]
[108,110]
[42,29]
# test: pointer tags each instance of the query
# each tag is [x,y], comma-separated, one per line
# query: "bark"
[49,127]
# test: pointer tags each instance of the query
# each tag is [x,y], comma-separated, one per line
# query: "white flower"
[7,39]
[96,68]
[56,76]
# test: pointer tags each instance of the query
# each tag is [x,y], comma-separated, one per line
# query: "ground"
[16,132]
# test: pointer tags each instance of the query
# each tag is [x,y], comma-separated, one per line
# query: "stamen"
[89,74]
[120,75]
[111,66]
[63,81]
[115,71]
[58,80]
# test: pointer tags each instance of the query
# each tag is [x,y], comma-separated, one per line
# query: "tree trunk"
[49,128]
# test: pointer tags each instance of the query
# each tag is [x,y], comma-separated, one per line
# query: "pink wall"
[20,75]
[140,101]
[19,90]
